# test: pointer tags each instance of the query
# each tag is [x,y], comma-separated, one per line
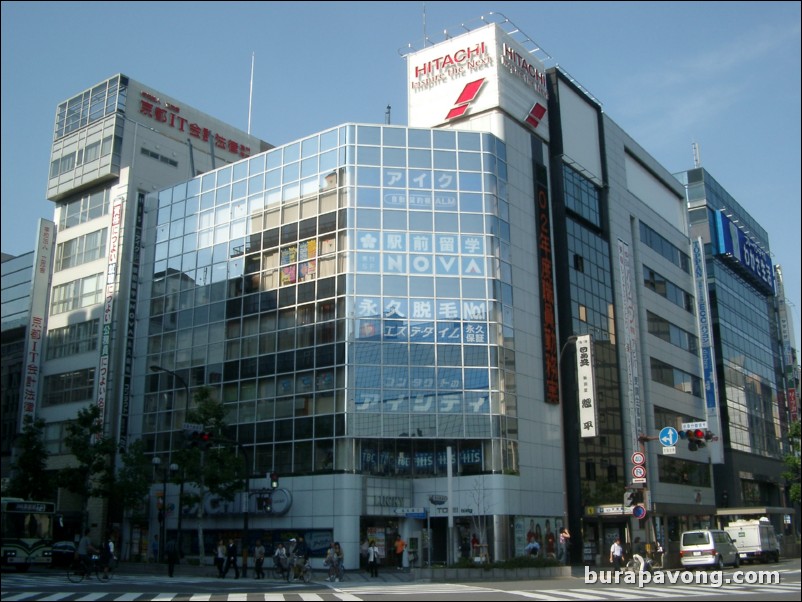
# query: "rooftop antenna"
[250,94]
[424,24]
[387,115]
[697,158]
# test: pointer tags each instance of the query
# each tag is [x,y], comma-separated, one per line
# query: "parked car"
[63,553]
[708,547]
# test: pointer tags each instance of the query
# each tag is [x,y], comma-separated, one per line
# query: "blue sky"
[725,75]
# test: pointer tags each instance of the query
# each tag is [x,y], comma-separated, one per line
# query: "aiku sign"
[466,97]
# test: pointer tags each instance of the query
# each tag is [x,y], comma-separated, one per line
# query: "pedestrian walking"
[154,549]
[373,559]
[220,557]
[400,546]
[231,559]
[171,551]
[616,554]
[259,560]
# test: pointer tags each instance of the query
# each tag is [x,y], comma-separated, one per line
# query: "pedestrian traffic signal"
[192,438]
[265,503]
[274,480]
[630,499]
[206,440]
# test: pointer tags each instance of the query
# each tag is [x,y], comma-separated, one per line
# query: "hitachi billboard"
[478,71]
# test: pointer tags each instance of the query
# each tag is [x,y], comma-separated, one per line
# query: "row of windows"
[72,339]
[665,288]
[68,387]
[160,158]
[82,292]
[90,105]
[91,152]
[80,250]
[658,243]
[90,206]
[675,378]
[663,329]
[682,472]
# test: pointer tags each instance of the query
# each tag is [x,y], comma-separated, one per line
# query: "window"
[76,294]
[72,339]
[675,335]
[69,387]
[81,250]
[665,288]
[91,205]
[674,377]
[656,242]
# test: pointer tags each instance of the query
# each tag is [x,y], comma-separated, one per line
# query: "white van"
[755,540]
[708,547]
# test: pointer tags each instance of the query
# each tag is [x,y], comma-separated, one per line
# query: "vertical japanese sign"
[629,324]
[34,340]
[547,310]
[109,291]
[586,380]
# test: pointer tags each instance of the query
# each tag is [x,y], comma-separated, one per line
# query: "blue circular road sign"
[639,512]
[668,436]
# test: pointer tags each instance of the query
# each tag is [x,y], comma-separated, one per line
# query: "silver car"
[708,547]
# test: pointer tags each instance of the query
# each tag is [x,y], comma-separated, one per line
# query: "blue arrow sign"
[668,436]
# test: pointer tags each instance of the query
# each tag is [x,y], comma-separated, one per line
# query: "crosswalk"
[427,591]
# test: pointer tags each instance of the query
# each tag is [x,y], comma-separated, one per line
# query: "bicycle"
[300,568]
[279,568]
[79,571]
[336,572]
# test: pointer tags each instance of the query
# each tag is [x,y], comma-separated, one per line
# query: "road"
[52,586]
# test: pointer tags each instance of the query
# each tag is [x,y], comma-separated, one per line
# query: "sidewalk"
[386,574]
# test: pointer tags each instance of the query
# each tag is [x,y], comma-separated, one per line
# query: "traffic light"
[265,503]
[274,480]
[206,440]
[696,438]
[638,496]
[709,436]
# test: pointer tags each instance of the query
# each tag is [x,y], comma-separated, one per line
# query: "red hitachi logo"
[455,58]
[535,115]
[466,97]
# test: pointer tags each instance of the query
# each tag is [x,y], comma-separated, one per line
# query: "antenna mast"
[250,94]
[697,158]
[387,115]
[424,24]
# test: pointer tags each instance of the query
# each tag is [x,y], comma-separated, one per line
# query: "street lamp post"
[569,341]
[162,516]
[183,383]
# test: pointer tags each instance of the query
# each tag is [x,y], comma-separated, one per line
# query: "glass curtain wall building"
[347,297]
[749,362]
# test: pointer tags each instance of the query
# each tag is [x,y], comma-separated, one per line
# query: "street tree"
[30,479]
[92,473]
[211,468]
[792,461]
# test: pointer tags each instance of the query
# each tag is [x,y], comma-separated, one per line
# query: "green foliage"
[219,470]
[93,473]
[133,481]
[792,462]
[29,477]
